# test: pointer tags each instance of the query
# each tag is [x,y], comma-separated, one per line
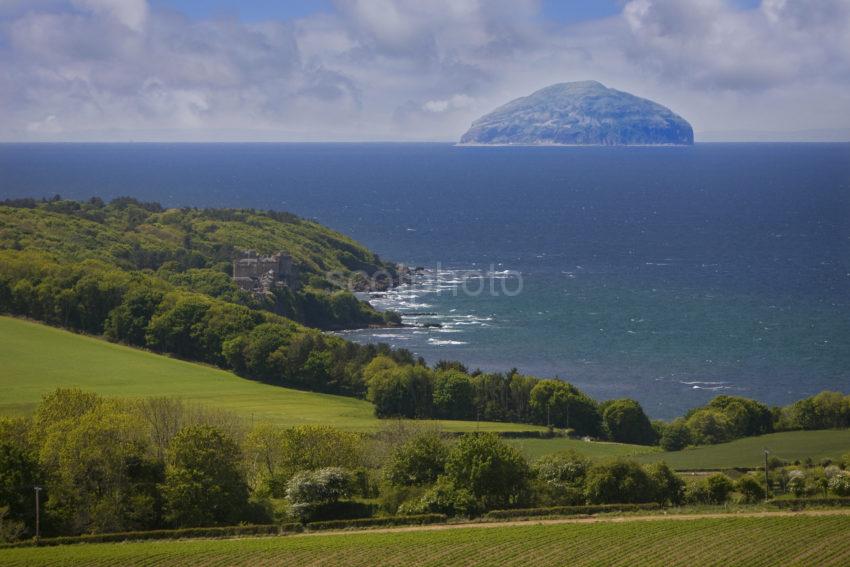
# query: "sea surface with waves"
[666,274]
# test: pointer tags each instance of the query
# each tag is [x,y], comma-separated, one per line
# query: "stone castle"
[261,274]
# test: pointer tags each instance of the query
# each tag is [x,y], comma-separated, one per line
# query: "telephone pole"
[766,476]
[37,512]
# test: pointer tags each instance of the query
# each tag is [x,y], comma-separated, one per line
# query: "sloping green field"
[748,452]
[750,541]
[35,359]
[789,446]
[533,449]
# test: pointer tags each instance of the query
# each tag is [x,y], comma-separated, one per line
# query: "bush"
[751,490]
[10,529]
[669,487]
[203,483]
[560,478]
[309,491]
[340,510]
[709,426]
[617,482]
[800,503]
[626,422]
[719,488]
[443,498]
[420,519]
[419,461]
[797,482]
[181,533]
[569,510]
[676,436]
[839,484]
[495,473]
[712,490]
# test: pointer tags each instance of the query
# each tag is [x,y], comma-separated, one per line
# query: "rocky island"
[580,113]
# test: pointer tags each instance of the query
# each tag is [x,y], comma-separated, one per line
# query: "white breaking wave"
[441,342]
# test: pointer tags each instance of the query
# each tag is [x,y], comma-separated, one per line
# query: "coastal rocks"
[580,113]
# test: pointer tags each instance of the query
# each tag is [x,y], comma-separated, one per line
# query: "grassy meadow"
[535,448]
[746,453]
[750,541]
[37,358]
[749,451]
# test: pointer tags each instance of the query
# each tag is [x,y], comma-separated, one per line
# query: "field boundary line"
[577,520]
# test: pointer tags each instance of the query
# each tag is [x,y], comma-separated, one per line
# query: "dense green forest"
[149,277]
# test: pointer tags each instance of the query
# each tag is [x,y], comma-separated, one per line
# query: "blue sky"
[250,10]
[564,11]
[258,10]
[408,69]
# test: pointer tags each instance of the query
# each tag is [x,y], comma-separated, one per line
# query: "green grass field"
[750,541]
[789,446]
[533,449]
[748,452]
[35,359]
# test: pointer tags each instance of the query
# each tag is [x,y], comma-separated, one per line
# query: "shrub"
[495,473]
[453,395]
[204,484]
[560,404]
[617,482]
[751,490]
[712,490]
[569,510]
[443,498]
[839,484]
[831,471]
[797,482]
[420,519]
[719,488]
[339,510]
[308,491]
[800,503]
[709,426]
[626,422]
[669,487]
[419,461]
[560,477]
[10,529]
[181,533]
[676,436]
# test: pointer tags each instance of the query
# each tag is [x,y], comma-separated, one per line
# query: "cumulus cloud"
[406,69]
[709,44]
[131,13]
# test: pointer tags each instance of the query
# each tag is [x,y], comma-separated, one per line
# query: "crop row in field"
[751,541]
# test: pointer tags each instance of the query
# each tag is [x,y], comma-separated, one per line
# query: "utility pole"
[37,513]
[766,476]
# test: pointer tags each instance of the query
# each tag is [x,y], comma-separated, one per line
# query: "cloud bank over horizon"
[120,70]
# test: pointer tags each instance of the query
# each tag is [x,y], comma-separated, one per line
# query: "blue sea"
[668,274]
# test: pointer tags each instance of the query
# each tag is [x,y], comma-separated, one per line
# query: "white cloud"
[131,13]
[406,69]
[456,102]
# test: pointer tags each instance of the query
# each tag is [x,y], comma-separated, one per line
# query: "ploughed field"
[35,359]
[751,541]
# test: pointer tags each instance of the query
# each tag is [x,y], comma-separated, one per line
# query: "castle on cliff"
[261,274]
